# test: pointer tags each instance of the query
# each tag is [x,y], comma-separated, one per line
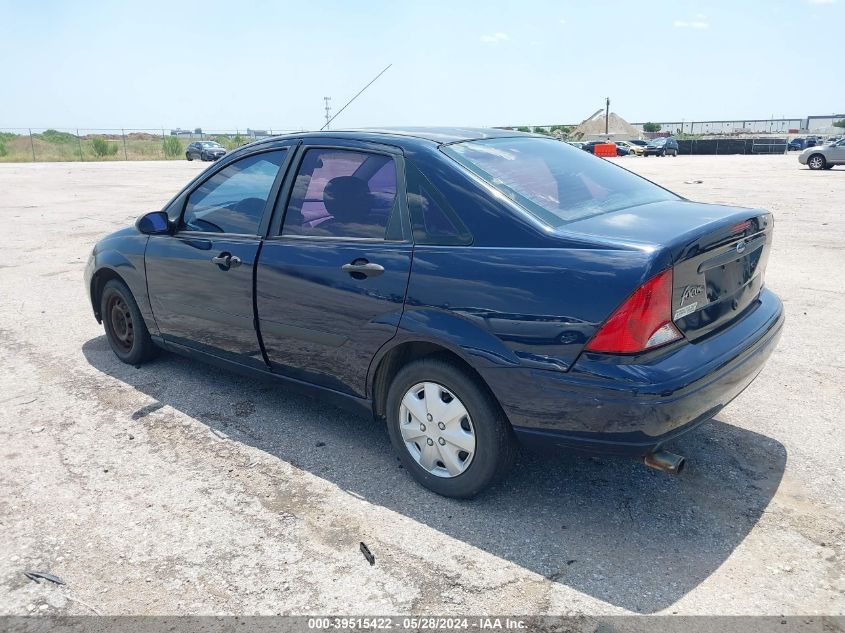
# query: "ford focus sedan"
[474,289]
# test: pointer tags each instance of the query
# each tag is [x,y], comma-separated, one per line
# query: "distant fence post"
[163,139]
[79,139]
[123,134]
[32,144]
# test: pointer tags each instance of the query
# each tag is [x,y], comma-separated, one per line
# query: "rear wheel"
[125,329]
[188,156]
[816,161]
[448,431]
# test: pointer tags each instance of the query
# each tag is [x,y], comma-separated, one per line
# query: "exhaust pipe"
[665,461]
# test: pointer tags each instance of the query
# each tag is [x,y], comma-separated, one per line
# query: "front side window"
[233,200]
[552,180]
[343,193]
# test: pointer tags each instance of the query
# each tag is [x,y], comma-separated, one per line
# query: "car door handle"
[227,260]
[362,267]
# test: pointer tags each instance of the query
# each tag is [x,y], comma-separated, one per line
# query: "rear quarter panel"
[534,307]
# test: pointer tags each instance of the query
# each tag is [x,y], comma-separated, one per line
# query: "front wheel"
[449,432]
[816,161]
[188,156]
[125,329]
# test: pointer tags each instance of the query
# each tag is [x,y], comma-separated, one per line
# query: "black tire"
[816,161]
[828,166]
[188,156]
[495,445]
[126,332]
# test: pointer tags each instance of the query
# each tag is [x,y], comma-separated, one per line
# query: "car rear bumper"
[632,406]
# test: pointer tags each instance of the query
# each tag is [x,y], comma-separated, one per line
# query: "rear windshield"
[554,181]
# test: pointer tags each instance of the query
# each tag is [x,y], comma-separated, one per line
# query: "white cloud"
[821,1]
[698,23]
[563,21]
[495,38]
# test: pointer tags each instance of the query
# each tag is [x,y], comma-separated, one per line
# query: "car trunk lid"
[718,255]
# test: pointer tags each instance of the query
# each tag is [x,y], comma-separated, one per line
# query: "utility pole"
[328,111]
[606,114]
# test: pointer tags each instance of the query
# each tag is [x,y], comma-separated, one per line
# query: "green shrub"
[54,136]
[102,147]
[172,147]
[840,123]
[3,150]
[232,142]
[651,127]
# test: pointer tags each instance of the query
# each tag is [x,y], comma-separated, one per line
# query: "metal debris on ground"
[35,575]
[368,554]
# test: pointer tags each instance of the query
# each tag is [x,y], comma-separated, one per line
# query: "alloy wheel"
[436,429]
[816,162]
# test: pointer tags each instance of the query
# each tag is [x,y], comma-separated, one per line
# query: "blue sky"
[268,64]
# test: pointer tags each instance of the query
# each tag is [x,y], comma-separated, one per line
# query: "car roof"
[403,136]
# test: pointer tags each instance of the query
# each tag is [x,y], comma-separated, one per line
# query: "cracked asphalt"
[176,488]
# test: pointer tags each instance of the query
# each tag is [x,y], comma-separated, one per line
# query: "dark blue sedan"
[473,288]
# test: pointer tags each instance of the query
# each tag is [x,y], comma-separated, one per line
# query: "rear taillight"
[643,322]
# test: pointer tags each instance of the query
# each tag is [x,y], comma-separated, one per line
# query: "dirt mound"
[594,127]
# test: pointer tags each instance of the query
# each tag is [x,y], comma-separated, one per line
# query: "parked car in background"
[471,288]
[205,150]
[796,144]
[577,144]
[631,147]
[639,142]
[823,156]
[663,146]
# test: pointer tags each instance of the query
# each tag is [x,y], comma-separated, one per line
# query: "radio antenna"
[356,96]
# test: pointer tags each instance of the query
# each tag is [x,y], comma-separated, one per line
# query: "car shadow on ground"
[608,527]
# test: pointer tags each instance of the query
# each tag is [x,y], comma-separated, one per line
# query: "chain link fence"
[19,145]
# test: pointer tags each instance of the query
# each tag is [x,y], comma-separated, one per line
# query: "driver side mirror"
[155,223]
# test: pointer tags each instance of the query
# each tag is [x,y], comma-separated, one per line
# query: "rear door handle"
[361,267]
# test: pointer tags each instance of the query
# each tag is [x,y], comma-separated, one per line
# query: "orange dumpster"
[605,149]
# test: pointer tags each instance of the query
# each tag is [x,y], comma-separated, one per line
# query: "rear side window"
[554,181]
[433,220]
[233,200]
[343,194]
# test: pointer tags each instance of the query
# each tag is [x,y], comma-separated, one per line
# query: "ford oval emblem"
[740,246]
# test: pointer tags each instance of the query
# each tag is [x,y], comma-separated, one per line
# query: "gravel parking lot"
[175,488]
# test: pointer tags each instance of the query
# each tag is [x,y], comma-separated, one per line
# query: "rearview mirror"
[155,223]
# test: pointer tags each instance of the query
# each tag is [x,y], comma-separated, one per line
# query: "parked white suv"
[824,156]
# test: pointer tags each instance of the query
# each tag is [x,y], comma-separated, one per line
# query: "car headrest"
[347,198]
